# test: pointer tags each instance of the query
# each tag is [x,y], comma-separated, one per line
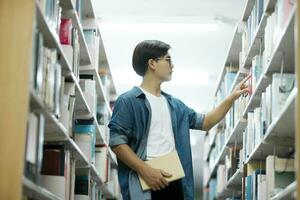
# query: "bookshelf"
[288,193]
[37,192]
[14,92]
[58,117]
[255,132]
[297,138]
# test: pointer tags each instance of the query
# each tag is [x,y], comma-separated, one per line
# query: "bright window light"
[160,27]
[181,77]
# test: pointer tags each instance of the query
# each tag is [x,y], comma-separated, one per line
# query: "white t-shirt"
[161,137]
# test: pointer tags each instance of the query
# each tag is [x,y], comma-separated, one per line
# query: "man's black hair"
[145,50]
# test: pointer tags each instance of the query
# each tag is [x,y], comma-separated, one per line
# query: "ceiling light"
[160,27]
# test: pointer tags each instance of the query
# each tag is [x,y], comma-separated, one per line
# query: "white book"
[268,106]
[261,187]
[65,116]
[221,178]
[55,184]
[257,128]
[32,138]
[282,85]
[263,112]
[72,178]
[101,162]
[68,50]
[250,133]
[85,142]
[89,90]
[57,92]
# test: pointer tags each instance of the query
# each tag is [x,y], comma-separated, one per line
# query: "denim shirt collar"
[139,93]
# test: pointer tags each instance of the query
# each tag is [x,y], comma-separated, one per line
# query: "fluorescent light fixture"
[159,27]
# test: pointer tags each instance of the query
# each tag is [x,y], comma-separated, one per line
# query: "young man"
[148,123]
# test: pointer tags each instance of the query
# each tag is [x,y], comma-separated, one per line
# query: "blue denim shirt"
[130,123]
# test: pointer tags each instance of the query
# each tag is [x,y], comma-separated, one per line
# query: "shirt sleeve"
[120,125]
[195,119]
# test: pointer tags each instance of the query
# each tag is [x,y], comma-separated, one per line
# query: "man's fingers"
[245,90]
[245,79]
[165,182]
[165,174]
[161,184]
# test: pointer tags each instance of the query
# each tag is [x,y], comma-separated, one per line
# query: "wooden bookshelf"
[14,78]
[19,97]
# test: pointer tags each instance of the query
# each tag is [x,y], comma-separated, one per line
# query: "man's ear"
[151,64]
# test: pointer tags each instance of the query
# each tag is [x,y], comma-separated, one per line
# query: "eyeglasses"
[168,59]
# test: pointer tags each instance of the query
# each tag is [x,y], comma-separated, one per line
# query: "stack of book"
[255,181]
[250,27]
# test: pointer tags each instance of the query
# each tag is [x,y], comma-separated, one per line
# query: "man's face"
[164,68]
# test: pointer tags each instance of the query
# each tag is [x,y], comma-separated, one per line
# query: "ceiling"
[198,51]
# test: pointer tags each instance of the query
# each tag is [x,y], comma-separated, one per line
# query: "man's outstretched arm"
[216,115]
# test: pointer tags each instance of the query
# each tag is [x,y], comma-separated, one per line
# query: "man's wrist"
[231,98]
[142,168]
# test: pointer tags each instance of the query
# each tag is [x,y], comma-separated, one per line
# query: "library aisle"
[58,93]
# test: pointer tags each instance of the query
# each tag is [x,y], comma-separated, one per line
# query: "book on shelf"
[241,158]
[69,40]
[67,105]
[276,24]
[229,77]
[92,38]
[280,173]
[250,133]
[46,78]
[76,52]
[253,170]
[101,161]
[232,161]
[256,70]
[37,58]
[275,97]
[65,31]
[85,138]
[88,86]
[261,187]
[55,173]
[78,7]
[282,86]
[95,192]
[221,178]
[283,9]
[252,184]
[113,185]
[250,27]
[34,146]
[82,187]
[206,173]
[212,188]
[52,12]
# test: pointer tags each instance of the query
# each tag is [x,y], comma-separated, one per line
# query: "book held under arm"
[169,163]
